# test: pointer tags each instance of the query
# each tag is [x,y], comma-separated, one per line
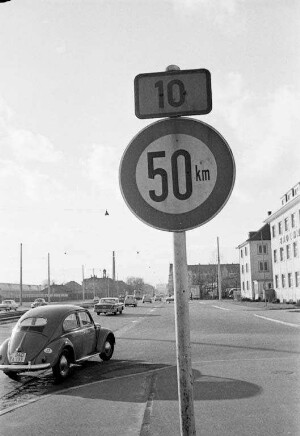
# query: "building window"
[290,280]
[246,267]
[297,278]
[262,249]
[263,266]
[280,228]
[243,286]
[283,280]
[293,220]
[286,224]
[281,254]
[245,251]
[273,232]
[276,281]
[275,256]
[242,269]
[247,285]
[242,254]
[288,251]
[295,249]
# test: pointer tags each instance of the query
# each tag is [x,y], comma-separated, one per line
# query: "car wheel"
[11,374]
[108,350]
[98,313]
[62,368]
[121,311]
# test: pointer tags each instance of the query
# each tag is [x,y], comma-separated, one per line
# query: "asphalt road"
[246,365]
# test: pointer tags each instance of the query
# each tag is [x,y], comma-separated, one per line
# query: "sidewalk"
[229,398]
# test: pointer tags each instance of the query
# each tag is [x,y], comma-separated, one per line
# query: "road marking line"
[222,308]
[279,322]
[201,362]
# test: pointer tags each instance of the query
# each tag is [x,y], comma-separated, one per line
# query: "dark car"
[39,302]
[54,336]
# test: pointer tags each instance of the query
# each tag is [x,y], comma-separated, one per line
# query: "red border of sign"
[177,112]
[201,214]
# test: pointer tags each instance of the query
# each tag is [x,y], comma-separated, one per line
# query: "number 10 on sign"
[173,93]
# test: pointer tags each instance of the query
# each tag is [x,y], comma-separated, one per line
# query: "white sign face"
[176,173]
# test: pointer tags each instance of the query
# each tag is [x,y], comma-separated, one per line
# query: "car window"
[108,300]
[32,323]
[85,318]
[70,323]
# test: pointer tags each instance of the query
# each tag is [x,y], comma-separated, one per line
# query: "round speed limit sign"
[177,174]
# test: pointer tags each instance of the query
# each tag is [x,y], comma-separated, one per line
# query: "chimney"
[269,212]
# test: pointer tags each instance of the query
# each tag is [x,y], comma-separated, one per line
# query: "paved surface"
[241,386]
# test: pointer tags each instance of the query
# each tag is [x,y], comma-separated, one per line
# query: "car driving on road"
[109,305]
[170,299]
[54,336]
[130,300]
[147,299]
[8,305]
[38,302]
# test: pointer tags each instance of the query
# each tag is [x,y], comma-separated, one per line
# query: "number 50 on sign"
[177,174]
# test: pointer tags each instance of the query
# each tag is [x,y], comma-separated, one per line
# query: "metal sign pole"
[182,330]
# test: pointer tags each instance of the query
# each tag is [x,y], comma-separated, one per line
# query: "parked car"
[130,300]
[8,305]
[54,336]
[147,299]
[157,298]
[109,305]
[170,299]
[38,302]
[96,300]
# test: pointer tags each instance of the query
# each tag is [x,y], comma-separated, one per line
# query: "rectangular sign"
[173,93]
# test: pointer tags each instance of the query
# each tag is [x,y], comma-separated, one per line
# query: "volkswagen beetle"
[54,336]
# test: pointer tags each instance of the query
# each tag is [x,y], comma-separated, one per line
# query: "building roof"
[263,234]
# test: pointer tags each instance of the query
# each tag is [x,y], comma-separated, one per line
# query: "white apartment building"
[285,244]
[255,257]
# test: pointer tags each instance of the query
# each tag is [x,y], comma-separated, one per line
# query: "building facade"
[13,291]
[285,243]
[203,279]
[255,257]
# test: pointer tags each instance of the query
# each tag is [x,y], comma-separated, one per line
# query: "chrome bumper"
[29,367]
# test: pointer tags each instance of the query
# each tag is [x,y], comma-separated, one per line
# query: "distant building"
[285,243]
[256,264]
[12,291]
[104,287]
[203,279]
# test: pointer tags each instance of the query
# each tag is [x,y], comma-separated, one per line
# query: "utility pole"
[182,333]
[219,272]
[114,267]
[83,289]
[49,278]
[94,282]
[21,277]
